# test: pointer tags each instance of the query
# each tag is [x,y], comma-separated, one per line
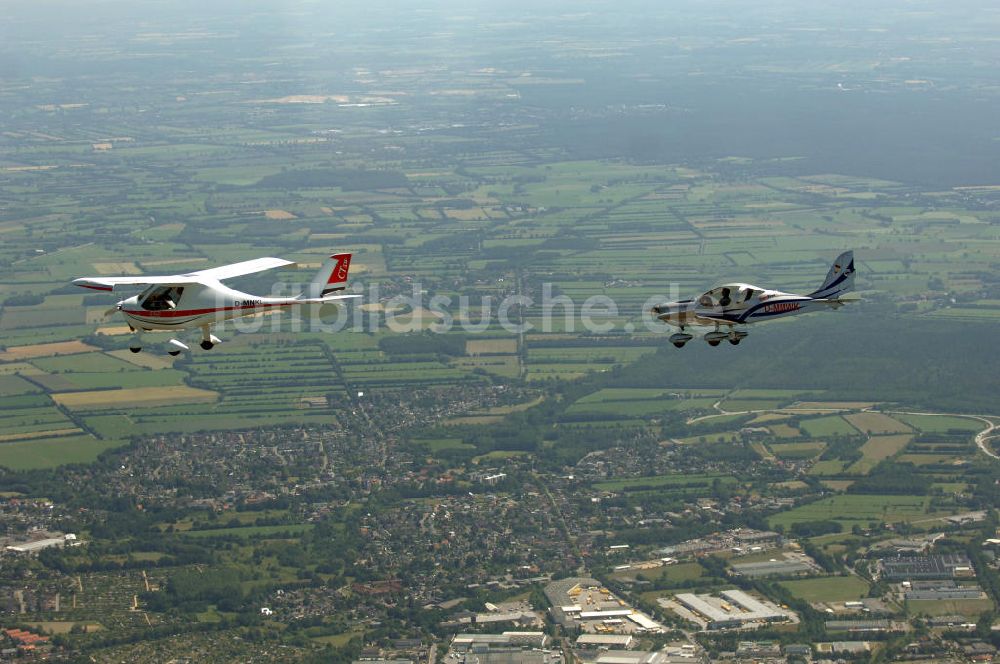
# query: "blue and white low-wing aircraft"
[198,300]
[738,304]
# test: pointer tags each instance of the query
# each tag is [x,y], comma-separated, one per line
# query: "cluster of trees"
[843,447]
[423,344]
[193,590]
[815,528]
[863,364]
[893,479]
[24,300]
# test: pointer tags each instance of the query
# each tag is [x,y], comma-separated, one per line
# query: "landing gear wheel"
[680,338]
[175,353]
[713,342]
[135,349]
[734,341]
[207,345]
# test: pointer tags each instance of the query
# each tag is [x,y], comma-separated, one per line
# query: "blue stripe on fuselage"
[752,311]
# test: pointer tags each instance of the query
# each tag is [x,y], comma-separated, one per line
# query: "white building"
[35,546]
[605,641]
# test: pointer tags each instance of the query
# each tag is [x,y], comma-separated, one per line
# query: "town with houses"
[479,564]
[535,423]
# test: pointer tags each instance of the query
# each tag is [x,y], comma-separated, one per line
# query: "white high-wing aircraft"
[200,299]
[741,304]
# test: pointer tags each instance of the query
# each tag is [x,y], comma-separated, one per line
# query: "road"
[789,410]
[981,437]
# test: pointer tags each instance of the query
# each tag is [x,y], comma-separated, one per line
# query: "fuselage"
[736,304]
[193,305]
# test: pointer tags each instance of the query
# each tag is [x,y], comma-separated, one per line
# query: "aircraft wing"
[211,274]
[111,283]
[240,269]
[705,316]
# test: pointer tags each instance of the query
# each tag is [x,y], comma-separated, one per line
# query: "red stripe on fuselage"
[103,288]
[176,313]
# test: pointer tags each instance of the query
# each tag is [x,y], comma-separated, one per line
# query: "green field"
[828,467]
[877,449]
[796,450]
[52,452]
[828,589]
[832,425]
[438,444]
[941,423]
[963,607]
[862,509]
[678,573]
[876,423]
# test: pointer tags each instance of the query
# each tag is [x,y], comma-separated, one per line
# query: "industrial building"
[843,647]
[584,602]
[499,641]
[739,540]
[961,621]
[511,657]
[624,641]
[522,618]
[786,567]
[69,539]
[665,656]
[861,626]
[756,650]
[565,592]
[734,608]
[940,590]
[942,566]
[800,650]
[506,648]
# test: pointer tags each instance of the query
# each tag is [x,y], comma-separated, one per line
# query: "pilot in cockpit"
[162,298]
[716,298]
[726,296]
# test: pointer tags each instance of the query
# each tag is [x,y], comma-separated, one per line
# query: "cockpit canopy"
[160,298]
[728,295]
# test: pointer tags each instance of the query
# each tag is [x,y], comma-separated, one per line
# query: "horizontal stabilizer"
[327,299]
[838,302]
